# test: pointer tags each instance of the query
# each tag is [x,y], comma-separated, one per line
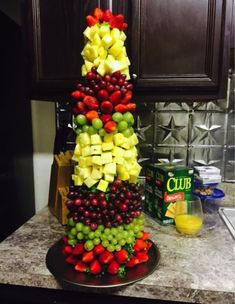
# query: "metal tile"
[172,106]
[171,128]
[207,128]
[219,105]
[231,129]
[144,131]
[230,164]
[174,155]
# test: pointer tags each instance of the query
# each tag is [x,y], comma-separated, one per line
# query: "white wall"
[43,128]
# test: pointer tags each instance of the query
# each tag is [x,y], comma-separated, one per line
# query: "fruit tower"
[104,233]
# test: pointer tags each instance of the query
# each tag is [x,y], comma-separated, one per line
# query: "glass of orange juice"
[189,216]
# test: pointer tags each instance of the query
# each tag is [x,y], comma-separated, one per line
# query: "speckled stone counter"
[200,269]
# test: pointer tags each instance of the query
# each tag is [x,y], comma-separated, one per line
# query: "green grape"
[107,231]
[86,229]
[91,235]
[118,247]
[81,119]
[109,237]
[100,227]
[91,130]
[79,226]
[132,130]
[80,236]
[78,131]
[125,234]
[96,241]
[103,237]
[73,231]
[105,243]
[114,241]
[97,123]
[72,242]
[127,132]
[131,233]
[114,231]
[122,125]
[122,242]
[117,117]
[71,236]
[85,128]
[128,116]
[139,234]
[70,222]
[119,236]
[120,228]
[89,245]
[97,233]
[136,229]
[130,123]
[102,132]
[110,248]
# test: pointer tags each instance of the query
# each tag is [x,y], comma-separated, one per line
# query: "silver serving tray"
[228,216]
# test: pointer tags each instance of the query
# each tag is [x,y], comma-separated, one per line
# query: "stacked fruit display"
[104,233]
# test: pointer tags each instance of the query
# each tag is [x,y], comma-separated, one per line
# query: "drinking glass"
[189,216]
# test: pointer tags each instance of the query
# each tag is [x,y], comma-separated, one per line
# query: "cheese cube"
[89,181]
[103,185]
[96,149]
[96,139]
[106,157]
[107,146]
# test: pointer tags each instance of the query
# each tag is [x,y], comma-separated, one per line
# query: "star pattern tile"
[171,158]
[207,131]
[140,131]
[171,130]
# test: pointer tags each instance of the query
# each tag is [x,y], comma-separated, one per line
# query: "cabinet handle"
[134,76]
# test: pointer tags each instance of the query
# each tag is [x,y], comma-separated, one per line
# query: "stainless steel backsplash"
[196,133]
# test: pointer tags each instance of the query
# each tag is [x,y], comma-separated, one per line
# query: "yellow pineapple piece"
[85,161]
[115,34]
[107,146]
[89,181]
[116,48]
[88,65]
[106,157]
[110,168]
[96,139]
[117,151]
[101,68]
[107,41]
[133,179]
[122,36]
[86,151]
[118,160]
[96,39]
[77,149]
[124,175]
[77,180]
[84,70]
[102,52]
[104,29]
[128,154]
[75,157]
[118,139]
[96,160]
[133,139]
[96,174]
[108,138]
[109,178]
[102,186]
[96,149]
[84,139]
[85,172]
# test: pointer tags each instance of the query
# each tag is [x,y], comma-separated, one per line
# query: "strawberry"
[107,15]
[81,267]
[103,94]
[110,126]
[98,14]
[91,102]
[116,97]
[121,108]
[76,94]
[95,267]
[80,107]
[131,107]
[113,267]
[106,257]
[71,259]
[78,249]
[106,107]
[105,117]
[91,20]
[145,235]
[99,249]
[68,249]
[142,256]
[139,245]
[121,256]
[88,256]
[133,261]
[117,21]
[90,115]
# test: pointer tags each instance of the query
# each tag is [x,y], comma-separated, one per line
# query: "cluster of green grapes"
[113,239]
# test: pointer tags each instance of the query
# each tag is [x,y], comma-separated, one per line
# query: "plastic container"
[211,203]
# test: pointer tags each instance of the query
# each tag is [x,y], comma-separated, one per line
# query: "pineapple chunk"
[85,161]
[109,178]
[87,33]
[128,164]
[77,149]
[133,139]
[101,68]
[96,139]
[107,41]
[133,179]
[90,182]
[122,36]
[75,157]
[107,146]
[116,48]
[78,180]
[86,151]
[96,160]
[84,70]
[118,160]
[128,154]
[96,174]
[88,65]
[121,168]
[96,149]
[85,172]
[106,157]
[110,168]
[117,151]
[103,185]
[126,144]
[115,34]
[118,139]
[124,175]
[96,62]
[104,29]
[108,138]
[84,139]
[102,52]
[96,39]
[113,66]
[76,170]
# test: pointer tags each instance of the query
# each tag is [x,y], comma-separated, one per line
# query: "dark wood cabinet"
[178,49]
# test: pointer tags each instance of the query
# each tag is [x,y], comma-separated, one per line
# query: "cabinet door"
[55,28]
[178,48]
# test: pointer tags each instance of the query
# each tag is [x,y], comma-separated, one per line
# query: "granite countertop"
[199,269]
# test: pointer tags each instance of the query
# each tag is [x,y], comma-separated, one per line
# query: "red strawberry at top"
[91,102]
[91,20]
[98,14]
[107,15]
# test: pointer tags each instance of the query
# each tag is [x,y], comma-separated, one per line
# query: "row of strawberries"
[98,259]
[100,16]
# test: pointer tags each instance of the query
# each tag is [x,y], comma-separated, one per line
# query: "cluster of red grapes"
[120,205]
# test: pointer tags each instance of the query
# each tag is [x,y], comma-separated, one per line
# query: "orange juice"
[188,224]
